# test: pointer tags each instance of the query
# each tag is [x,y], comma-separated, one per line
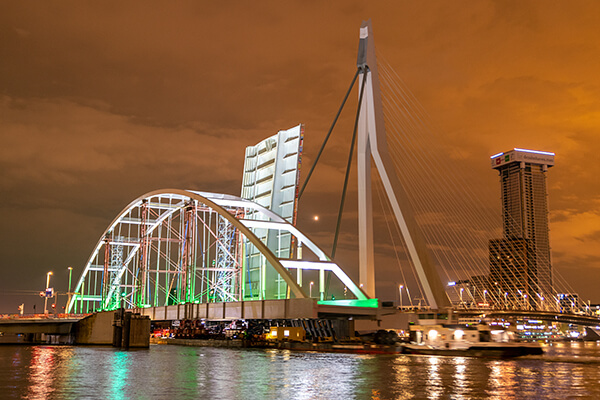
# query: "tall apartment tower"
[271,175]
[520,261]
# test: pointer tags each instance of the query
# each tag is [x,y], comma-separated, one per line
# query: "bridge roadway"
[263,309]
[256,309]
[48,326]
[273,309]
[311,308]
[549,316]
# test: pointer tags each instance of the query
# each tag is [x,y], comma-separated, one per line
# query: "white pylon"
[372,142]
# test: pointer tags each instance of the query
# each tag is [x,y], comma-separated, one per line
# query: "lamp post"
[400,289]
[484,297]
[46,295]
[310,290]
[499,294]
[69,299]
[461,296]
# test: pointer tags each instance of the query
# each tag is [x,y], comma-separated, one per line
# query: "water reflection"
[41,372]
[119,368]
[434,391]
[403,376]
[195,372]
[314,375]
[460,377]
[501,381]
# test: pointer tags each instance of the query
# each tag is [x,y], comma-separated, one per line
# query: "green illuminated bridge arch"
[175,246]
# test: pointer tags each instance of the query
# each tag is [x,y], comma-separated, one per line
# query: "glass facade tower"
[525,224]
[271,175]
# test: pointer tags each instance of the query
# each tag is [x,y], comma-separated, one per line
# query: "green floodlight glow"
[370,303]
[123,294]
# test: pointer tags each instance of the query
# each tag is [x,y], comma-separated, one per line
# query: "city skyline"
[100,103]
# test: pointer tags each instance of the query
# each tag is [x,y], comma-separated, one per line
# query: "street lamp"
[69,300]
[461,296]
[541,301]
[484,296]
[46,295]
[310,290]
[499,294]
[400,289]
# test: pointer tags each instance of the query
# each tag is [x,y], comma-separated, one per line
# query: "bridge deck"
[48,326]
[258,309]
[533,314]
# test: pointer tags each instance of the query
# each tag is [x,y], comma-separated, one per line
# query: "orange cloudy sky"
[101,102]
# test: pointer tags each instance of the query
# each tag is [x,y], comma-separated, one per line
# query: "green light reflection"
[119,374]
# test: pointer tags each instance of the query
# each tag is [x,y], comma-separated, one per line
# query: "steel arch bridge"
[175,246]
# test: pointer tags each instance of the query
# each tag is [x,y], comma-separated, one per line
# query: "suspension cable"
[343,199]
[312,168]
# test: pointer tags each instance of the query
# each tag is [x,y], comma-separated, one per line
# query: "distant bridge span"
[585,320]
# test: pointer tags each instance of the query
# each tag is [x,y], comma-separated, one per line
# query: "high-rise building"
[521,260]
[271,175]
[512,271]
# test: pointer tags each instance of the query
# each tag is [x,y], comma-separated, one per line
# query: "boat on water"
[434,334]
[469,341]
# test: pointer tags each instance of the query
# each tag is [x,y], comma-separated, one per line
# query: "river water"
[567,370]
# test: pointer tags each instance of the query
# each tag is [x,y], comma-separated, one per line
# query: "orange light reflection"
[41,372]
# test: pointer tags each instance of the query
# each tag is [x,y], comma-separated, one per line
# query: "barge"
[468,341]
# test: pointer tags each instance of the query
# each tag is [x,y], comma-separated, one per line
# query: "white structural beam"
[327,266]
[366,251]
[372,142]
[285,226]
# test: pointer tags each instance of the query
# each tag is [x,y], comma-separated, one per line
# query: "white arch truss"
[173,246]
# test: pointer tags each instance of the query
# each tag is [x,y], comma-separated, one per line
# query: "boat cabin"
[456,336]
